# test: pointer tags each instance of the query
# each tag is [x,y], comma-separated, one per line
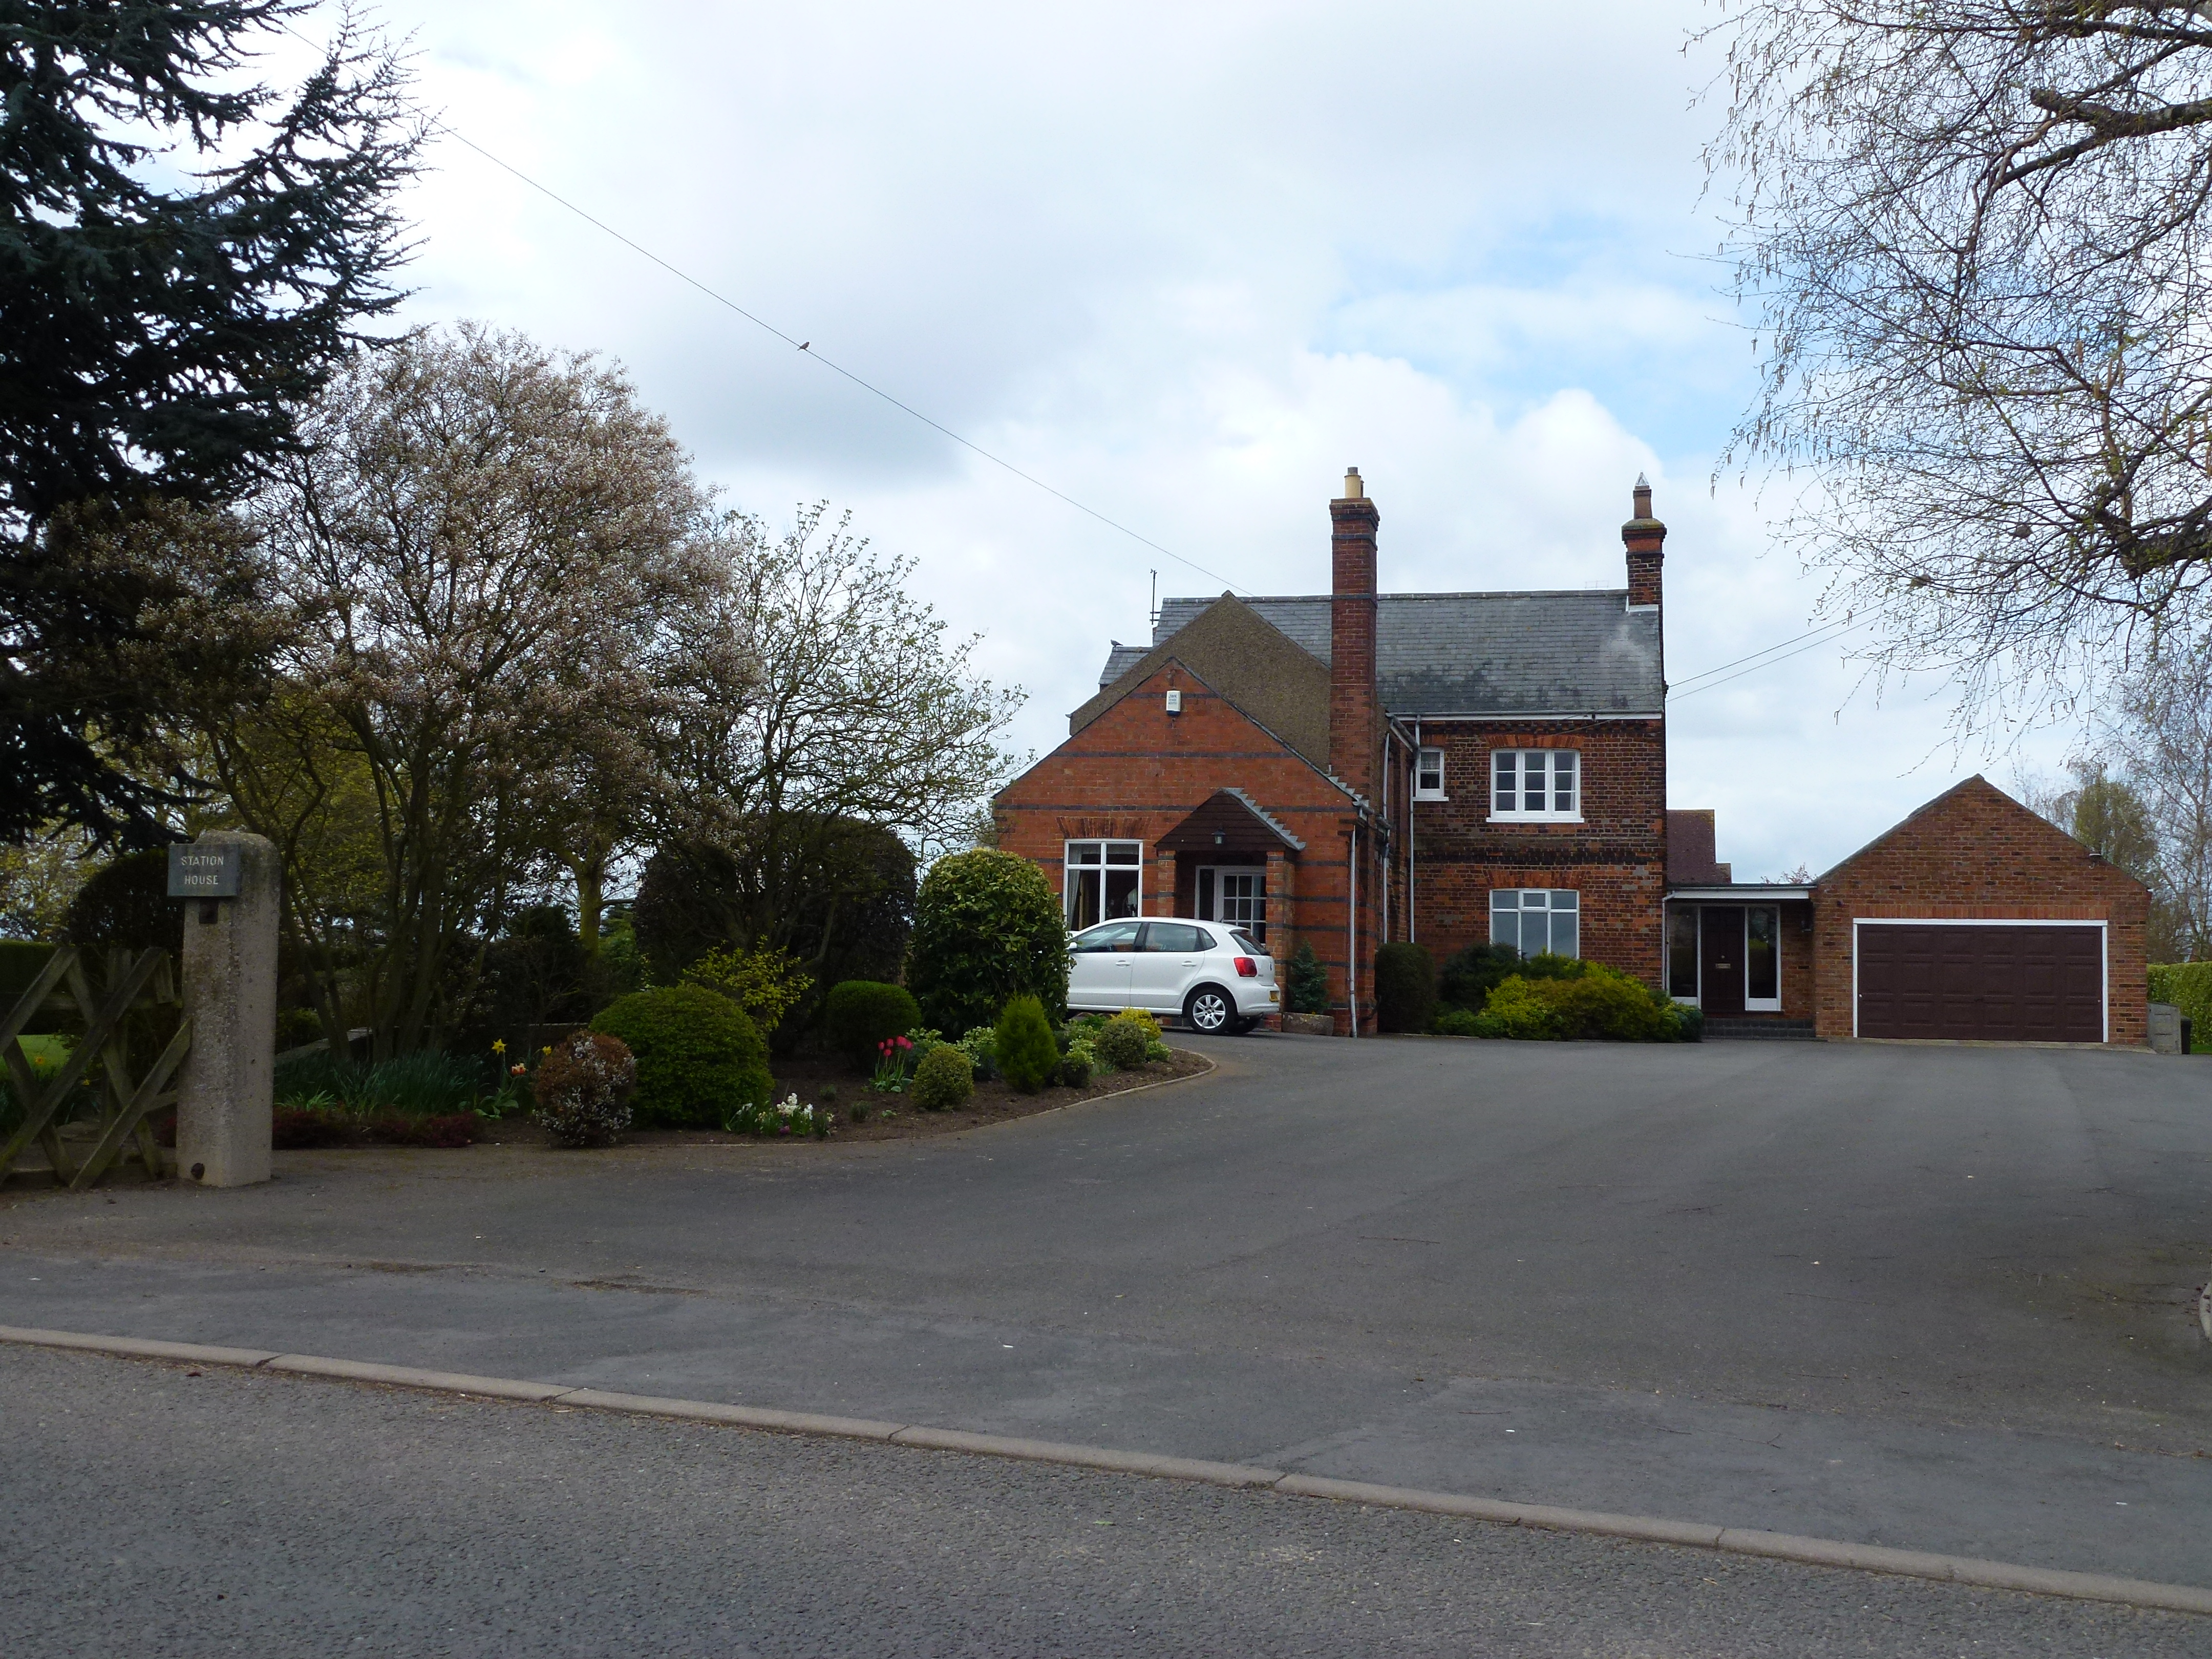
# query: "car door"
[1099,966]
[1166,964]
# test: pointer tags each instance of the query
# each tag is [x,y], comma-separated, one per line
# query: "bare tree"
[480,552]
[821,705]
[2167,739]
[1973,234]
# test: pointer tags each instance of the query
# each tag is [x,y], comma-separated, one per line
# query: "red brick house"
[1346,768]
[1351,768]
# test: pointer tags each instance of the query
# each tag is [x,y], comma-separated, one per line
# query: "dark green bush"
[1027,1055]
[698,1056]
[21,962]
[1405,987]
[127,904]
[987,927]
[1457,1021]
[942,1080]
[1305,982]
[1469,976]
[861,1012]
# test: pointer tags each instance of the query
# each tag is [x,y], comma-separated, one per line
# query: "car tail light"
[1247,969]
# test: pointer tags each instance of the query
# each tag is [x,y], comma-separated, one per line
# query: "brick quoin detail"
[1971,853]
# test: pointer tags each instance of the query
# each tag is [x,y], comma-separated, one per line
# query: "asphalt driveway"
[1931,1296]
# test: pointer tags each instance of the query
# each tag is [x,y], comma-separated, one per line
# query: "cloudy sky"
[1185,265]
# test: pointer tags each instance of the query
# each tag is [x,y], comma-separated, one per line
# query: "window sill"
[1423,795]
[1535,817]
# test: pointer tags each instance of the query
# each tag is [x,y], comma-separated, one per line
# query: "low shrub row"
[1492,991]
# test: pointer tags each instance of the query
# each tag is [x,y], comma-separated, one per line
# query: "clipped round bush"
[1124,1043]
[127,902]
[942,1080]
[1028,1054]
[1405,987]
[698,1056]
[861,1013]
[583,1089]
[986,927]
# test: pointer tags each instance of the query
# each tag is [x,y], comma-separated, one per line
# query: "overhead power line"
[1769,661]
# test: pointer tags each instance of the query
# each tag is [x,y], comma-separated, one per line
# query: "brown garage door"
[1999,984]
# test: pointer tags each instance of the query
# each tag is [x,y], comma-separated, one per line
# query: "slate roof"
[1475,653]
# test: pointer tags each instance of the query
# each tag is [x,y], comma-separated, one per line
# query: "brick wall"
[1974,852]
[1615,859]
[1137,771]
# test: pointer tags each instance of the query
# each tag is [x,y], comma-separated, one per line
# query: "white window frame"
[1210,899]
[1422,789]
[1072,870]
[2104,946]
[1550,906]
[1516,761]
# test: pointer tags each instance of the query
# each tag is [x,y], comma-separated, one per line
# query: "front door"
[1720,989]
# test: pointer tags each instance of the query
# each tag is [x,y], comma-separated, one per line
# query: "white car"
[1217,977]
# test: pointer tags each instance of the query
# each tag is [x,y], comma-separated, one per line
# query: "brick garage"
[1979,871]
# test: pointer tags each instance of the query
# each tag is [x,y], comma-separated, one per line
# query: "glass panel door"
[1762,959]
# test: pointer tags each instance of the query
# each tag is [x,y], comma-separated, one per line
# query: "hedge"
[1405,987]
[861,1013]
[2188,986]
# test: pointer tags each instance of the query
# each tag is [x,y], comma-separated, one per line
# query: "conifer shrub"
[1027,1053]
[698,1055]
[1405,987]
[861,1013]
[1305,982]
[942,1080]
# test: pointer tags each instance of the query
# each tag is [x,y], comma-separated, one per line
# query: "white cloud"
[1184,264]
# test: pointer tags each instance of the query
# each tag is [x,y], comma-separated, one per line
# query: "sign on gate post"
[229,882]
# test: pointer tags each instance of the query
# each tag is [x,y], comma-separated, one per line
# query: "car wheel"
[1208,1009]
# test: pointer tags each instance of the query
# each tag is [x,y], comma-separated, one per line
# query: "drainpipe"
[1413,910]
[1352,934]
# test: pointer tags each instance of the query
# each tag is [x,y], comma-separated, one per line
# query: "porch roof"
[1230,821]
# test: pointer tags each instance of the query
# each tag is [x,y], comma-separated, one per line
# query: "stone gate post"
[229,882]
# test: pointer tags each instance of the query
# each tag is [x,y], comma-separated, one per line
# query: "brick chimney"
[1354,699]
[1644,535]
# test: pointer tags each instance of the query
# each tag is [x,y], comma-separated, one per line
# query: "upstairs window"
[1429,774]
[1536,784]
[1103,881]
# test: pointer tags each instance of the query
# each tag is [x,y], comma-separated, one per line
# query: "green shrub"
[1689,1022]
[1468,976]
[1078,1064]
[988,928]
[1128,1040]
[981,1047]
[2188,986]
[942,1080]
[1027,1057]
[1457,1021]
[861,1012]
[1567,999]
[428,1083]
[1305,982]
[1405,987]
[767,984]
[698,1056]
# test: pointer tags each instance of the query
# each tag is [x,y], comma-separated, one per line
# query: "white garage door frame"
[2104,948]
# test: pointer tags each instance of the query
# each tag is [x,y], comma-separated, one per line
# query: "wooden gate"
[146,979]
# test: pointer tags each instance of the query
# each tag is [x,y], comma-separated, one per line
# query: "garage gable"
[1977,920]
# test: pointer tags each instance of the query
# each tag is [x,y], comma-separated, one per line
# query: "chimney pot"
[1353,489]
[1645,538]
